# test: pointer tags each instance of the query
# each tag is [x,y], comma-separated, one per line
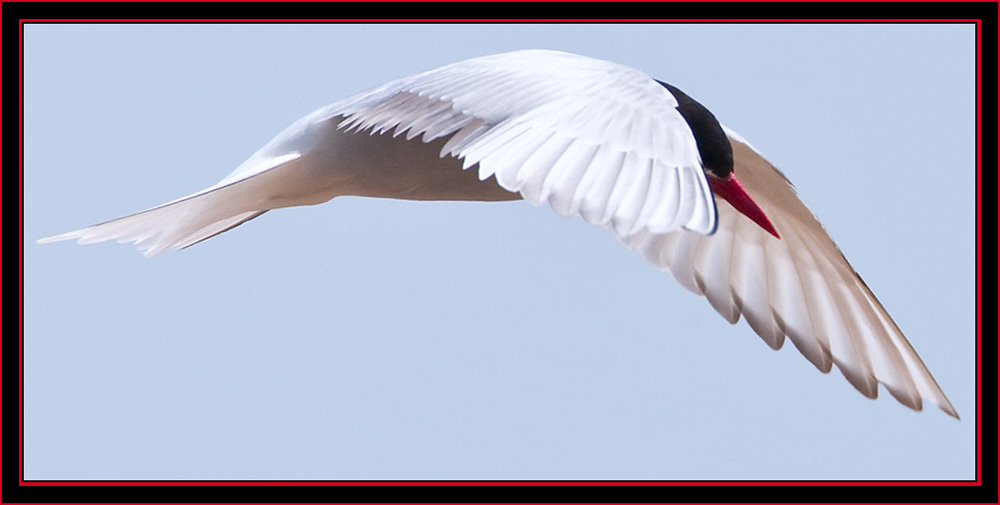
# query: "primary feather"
[590,138]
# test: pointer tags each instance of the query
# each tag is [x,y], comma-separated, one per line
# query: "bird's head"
[717,158]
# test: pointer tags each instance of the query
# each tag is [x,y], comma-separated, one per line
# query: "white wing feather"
[587,136]
[800,287]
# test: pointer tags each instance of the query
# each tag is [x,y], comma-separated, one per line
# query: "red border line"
[491,20]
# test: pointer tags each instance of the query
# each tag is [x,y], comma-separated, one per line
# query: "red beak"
[730,190]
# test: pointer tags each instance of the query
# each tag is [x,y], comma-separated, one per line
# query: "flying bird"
[594,139]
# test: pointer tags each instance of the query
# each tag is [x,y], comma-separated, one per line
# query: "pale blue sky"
[377,339]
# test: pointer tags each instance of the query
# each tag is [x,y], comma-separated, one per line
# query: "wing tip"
[950,411]
[946,406]
[78,234]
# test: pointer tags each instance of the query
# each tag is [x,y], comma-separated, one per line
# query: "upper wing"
[589,137]
[800,286]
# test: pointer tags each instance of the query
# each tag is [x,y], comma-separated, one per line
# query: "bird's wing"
[236,199]
[800,286]
[189,220]
[589,137]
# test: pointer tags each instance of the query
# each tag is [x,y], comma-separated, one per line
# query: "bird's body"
[590,138]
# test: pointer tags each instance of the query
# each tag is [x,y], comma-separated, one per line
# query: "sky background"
[379,339]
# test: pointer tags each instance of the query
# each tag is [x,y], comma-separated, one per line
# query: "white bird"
[592,138]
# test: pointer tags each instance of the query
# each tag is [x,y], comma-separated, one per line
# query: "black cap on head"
[713,145]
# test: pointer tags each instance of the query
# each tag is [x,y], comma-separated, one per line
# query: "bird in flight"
[595,139]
